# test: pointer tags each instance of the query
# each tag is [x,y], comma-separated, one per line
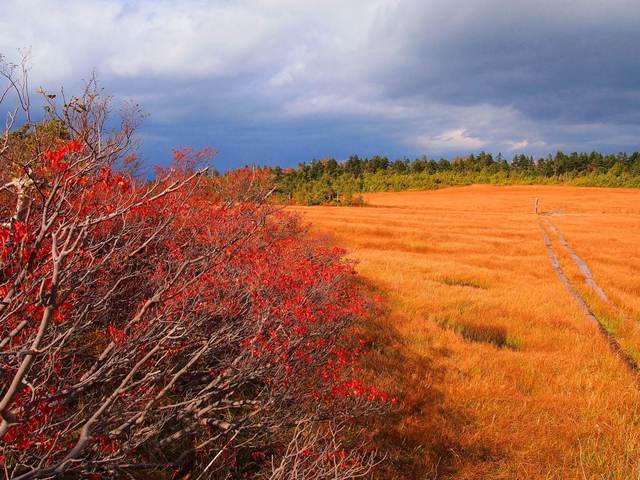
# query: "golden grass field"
[501,374]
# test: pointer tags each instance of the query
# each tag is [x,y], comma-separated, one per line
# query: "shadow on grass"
[483,333]
[421,438]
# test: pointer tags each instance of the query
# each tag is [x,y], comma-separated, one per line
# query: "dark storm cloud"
[548,66]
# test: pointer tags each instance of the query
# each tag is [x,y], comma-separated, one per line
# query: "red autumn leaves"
[187,312]
[56,157]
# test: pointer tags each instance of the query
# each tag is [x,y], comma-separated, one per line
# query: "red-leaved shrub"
[164,328]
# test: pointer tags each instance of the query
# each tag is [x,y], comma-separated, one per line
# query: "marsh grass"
[461,282]
[516,379]
[483,333]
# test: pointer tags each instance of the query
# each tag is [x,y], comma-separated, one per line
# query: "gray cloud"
[284,80]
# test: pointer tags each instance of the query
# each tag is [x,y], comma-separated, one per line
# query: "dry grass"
[501,374]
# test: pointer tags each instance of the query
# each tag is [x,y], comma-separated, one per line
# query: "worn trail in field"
[580,263]
[616,347]
[502,375]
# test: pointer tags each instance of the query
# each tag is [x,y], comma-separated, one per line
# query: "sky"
[279,82]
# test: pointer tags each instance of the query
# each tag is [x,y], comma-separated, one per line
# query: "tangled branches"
[168,327]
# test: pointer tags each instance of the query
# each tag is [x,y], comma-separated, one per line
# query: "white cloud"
[519,145]
[288,75]
[450,140]
[188,38]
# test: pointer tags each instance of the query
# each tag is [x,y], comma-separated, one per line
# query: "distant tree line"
[328,181]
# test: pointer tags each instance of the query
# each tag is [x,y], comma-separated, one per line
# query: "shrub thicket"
[160,329]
